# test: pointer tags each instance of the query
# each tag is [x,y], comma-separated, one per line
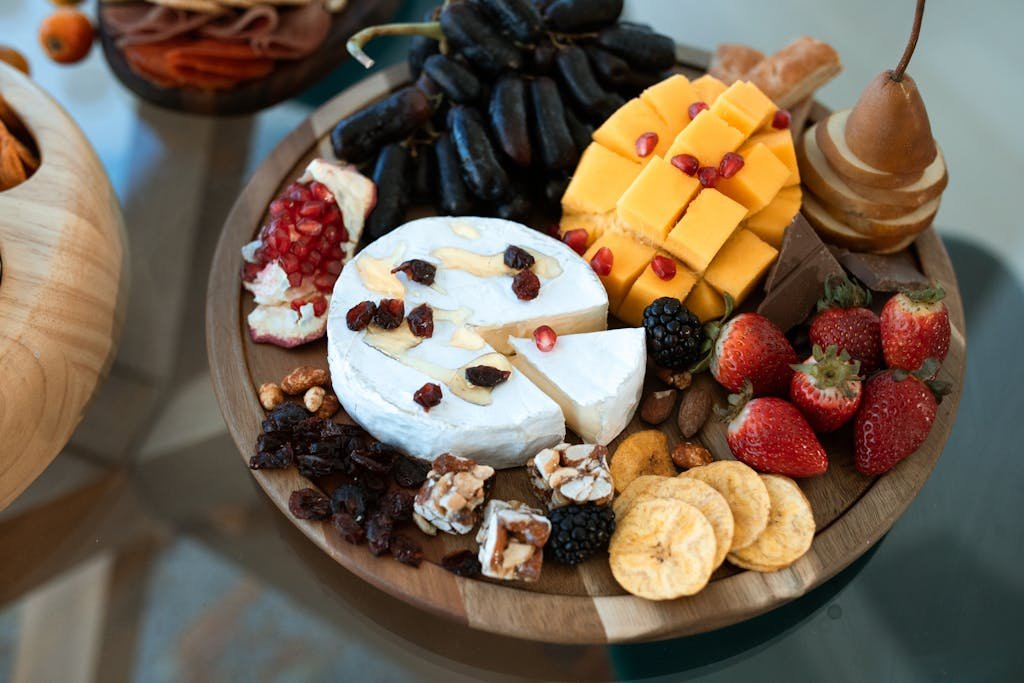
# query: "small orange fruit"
[11,56]
[66,36]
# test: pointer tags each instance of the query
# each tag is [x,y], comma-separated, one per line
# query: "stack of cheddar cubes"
[631,199]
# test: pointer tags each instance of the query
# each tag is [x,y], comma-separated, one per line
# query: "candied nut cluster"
[451,496]
[512,540]
[566,474]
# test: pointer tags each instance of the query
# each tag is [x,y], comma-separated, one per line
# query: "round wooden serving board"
[569,604]
[289,78]
[62,288]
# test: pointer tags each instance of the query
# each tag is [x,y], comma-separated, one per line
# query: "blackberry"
[674,334]
[578,532]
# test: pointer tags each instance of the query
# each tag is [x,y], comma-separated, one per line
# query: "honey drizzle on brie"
[377,276]
[464,230]
[492,265]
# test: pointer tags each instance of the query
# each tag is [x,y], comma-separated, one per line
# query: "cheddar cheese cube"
[760,179]
[649,286]
[600,179]
[747,97]
[709,222]
[770,223]
[740,265]
[671,99]
[779,143]
[704,302]
[655,200]
[708,138]
[707,88]
[596,224]
[734,116]
[620,132]
[629,258]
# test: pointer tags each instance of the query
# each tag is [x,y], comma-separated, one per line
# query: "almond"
[694,409]
[657,406]
[329,407]
[302,379]
[314,398]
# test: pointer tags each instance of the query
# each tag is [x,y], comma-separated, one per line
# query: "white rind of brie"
[377,390]
[595,378]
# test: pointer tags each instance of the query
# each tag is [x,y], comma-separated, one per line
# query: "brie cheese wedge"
[595,378]
[475,312]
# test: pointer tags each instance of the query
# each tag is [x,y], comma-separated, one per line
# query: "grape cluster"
[505,97]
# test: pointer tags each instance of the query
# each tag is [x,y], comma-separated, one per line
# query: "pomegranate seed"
[290,263]
[577,240]
[663,267]
[312,209]
[278,207]
[708,176]
[602,261]
[359,316]
[331,216]
[334,253]
[298,193]
[332,235]
[646,143]
[730,164]
[428,396]
[295,279]
[308,226]
[296,304]
[344,233]
[283,223]
[544,337]
[321,192]
[314,257]
[781,119]
[333,267]
[267,253]
[306,268]
[687,163]
[301,248]
[696,108]
[319,305]
[250,271]
[325,282]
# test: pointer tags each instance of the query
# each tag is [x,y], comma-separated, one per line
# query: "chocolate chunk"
[792,299]
[798,243]
[885,272]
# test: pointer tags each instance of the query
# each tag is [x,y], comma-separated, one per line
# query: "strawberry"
[895,416]
[826,389]
[771,435]
[844,320]
[751,347]
[915,326]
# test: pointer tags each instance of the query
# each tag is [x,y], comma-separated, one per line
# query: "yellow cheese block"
[708,138]
[740,265]
[630,121]
[656,199]
[708,88]
[735,116]
[629,258]
[649,287]
[748,97]
[760,179]
[596,224]
[779,143]
[704,302]
[600,179]
[671,98]
[770,223]
[708,223]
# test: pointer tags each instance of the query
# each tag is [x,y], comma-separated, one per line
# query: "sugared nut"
[657,406]
[313,398]
[688,455]
[566,474]
[302,379]
[512,540]
[451,496]
[679,380]
[271,395]
[329,407]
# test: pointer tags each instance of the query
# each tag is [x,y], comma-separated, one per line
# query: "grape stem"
[355,44]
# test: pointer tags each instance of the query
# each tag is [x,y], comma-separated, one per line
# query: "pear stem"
[908,52]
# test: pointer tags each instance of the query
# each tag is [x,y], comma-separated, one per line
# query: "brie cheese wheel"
[595,378]
[475,311]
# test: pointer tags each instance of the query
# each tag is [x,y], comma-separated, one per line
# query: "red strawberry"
[845,321]
[771,435]
[895,416]
[915,326]
[826,389]
[751,347]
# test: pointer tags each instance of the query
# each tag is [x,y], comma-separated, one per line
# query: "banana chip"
[663,549]
[636,489]
[745,493]
[641,453]
[710,502]
[789,533]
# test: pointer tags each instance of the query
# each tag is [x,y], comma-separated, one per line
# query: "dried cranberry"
[428,396]
[406,550]
[352,499]
[309,504]
[348,527]
[285,417]
[378,532]
[370,461]
[389,313]
[486,376]
[313,466]
[517,258]
[417,270]
[410,473]
[526,285]
[462,563]
[360,315]
[421,321]
[397,505]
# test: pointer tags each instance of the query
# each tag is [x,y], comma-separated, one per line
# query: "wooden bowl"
[568,605]
[288,79]
[62,288]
